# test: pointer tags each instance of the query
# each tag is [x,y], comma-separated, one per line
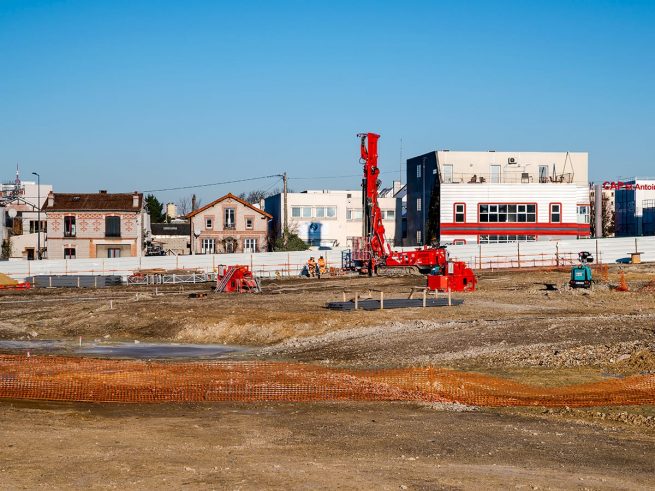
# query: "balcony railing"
[506,177]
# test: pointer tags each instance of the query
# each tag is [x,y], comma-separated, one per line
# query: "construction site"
[524,380]
[403,368]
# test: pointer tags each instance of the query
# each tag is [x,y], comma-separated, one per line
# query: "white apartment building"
[330,218]
[492,197]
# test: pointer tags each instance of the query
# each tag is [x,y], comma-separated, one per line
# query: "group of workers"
[314,269]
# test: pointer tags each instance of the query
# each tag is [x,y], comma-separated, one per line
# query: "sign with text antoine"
[627,185]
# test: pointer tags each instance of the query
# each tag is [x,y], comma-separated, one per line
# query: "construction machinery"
[372,253]
[236,279]
[581,274]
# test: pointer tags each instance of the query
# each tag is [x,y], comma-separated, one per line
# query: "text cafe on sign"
[613,185]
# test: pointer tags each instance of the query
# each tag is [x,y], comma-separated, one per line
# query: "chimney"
[193,203]
[51,199]
[135,200]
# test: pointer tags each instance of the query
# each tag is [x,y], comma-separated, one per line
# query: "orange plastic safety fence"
[86,379]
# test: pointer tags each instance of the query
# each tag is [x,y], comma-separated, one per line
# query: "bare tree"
[184,205]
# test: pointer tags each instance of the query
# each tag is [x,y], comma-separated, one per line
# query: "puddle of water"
[122,350]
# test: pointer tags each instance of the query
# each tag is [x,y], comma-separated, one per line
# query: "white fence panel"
[270,264]
[266,264]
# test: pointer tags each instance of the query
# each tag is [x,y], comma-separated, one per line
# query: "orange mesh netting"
[97,380]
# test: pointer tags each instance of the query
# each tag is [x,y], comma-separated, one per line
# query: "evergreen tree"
[155,209]
[294,243]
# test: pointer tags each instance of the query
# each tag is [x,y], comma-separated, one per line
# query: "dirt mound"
[6,280]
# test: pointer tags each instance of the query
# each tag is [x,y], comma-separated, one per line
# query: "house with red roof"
[228,225]
[95,225]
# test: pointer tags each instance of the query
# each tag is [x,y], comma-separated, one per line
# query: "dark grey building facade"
[423,184]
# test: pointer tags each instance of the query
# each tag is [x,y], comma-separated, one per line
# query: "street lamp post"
[38,215]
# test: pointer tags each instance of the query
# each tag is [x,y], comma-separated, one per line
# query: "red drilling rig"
[373,254]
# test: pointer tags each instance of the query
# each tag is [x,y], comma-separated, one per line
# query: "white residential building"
[21,201]
[331,218]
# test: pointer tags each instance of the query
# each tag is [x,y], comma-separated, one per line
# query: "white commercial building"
[330,218]
[492,197]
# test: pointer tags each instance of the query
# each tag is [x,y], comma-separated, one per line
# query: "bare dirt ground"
[510,327]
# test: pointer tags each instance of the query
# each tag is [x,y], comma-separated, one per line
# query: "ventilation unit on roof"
[512,161]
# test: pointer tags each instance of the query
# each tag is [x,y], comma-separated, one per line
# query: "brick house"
[94,225]
[227,225]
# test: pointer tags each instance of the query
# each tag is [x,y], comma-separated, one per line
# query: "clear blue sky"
[128,95]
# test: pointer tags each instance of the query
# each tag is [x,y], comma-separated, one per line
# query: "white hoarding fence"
[274,264]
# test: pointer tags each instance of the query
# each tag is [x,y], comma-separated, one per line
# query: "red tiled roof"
[94,202]
[229,195]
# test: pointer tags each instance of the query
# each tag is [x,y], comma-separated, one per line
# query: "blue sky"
[126,95]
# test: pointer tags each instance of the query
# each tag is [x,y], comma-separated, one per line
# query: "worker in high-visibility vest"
[311,266]
[321,265]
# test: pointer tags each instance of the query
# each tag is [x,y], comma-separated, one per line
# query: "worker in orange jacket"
[321,266]
[311,266]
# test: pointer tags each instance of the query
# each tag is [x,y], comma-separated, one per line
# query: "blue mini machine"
[581,274]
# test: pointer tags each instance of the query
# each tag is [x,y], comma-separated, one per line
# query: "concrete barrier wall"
[270,264]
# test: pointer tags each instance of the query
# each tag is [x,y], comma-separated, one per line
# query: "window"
[307,212]
[325,212]
[543,173]
[353,214]
[69,253]
[229,218]
[459,242]
[448,173]
[208,246]
[583,213]
[460,213]
[208,223]
[113,252]
[505,239]
[69,226]
[555,213]
[504,213]
[250,245]
[250,223]
[388,214]
[418,171]
[495,173]
[418,237]
[34,226]
[418,204]
[295,212]
[112,226]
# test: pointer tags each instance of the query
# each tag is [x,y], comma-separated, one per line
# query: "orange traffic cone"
[623,285]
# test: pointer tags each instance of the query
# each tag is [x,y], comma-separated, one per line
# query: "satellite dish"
[12,213]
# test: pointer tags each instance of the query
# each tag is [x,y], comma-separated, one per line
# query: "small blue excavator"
[581,274]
